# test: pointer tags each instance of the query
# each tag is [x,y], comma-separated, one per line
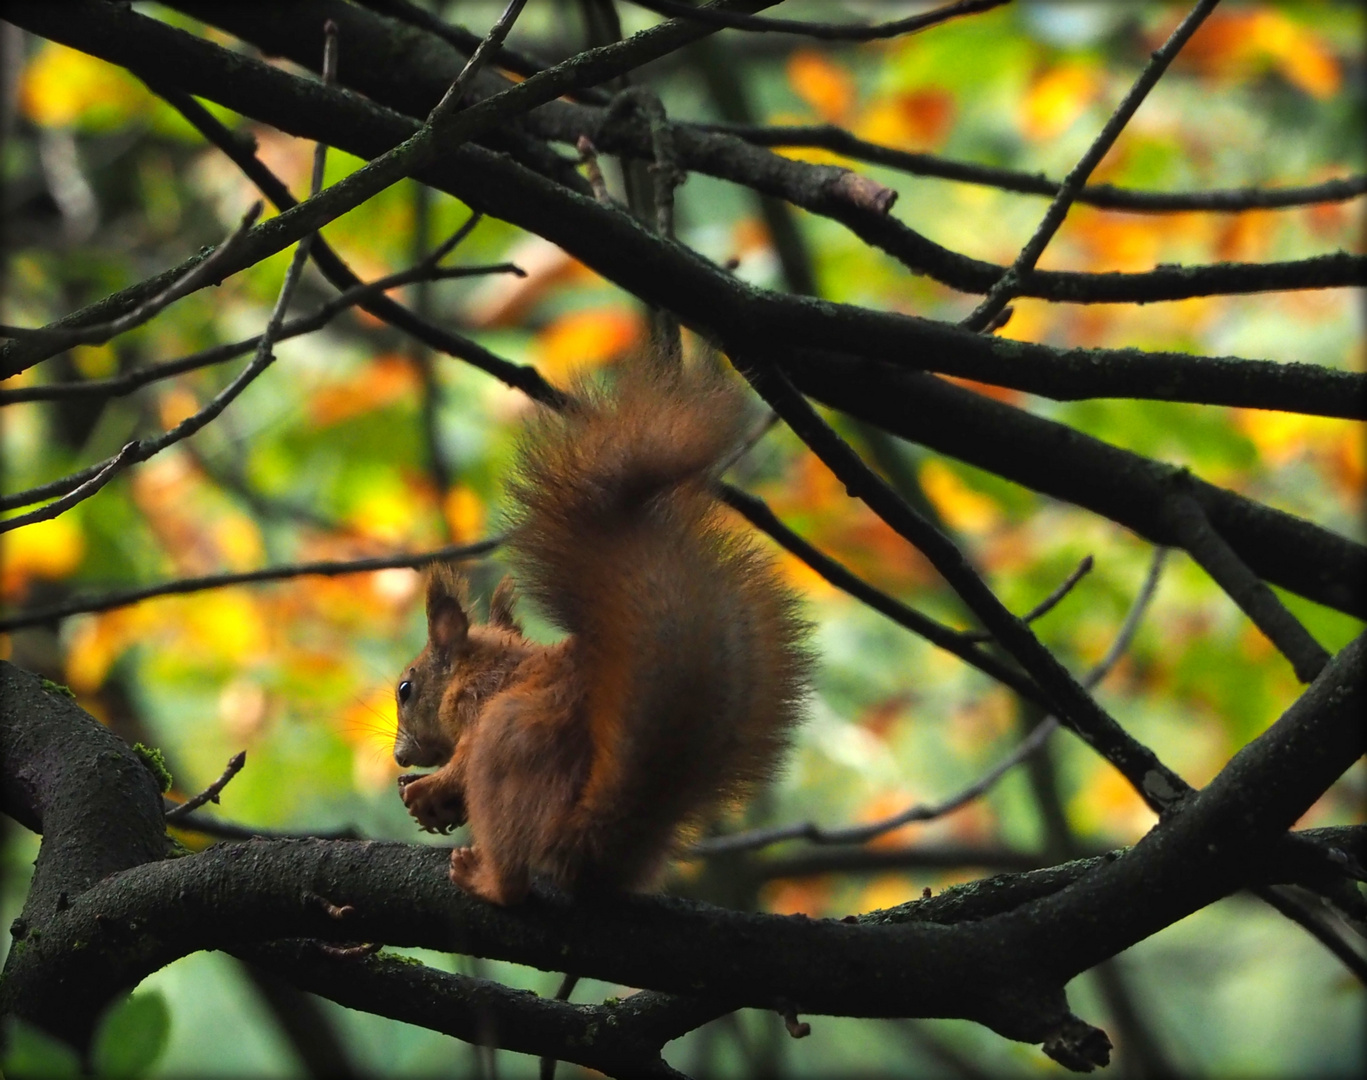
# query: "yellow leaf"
[46,549]
[95,361]
[226,624]
[1109,805]
[99,640]
[385,508]
[1057,98]
[886,891]
[61,87]
[960,506]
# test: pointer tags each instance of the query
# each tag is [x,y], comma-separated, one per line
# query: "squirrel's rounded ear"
[501,606]
[447,624]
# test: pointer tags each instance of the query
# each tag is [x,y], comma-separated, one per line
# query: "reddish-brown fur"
[676,688]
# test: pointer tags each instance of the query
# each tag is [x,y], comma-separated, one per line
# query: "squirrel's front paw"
[437,807]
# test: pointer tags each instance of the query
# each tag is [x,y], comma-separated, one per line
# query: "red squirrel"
[681,676]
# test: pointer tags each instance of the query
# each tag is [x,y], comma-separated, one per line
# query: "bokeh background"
[327,457]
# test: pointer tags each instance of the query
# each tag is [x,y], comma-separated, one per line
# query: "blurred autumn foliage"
[363,442]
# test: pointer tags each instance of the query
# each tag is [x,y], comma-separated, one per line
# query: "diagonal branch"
[1204,543]
[1002,292]
[1063,463]
[861,834]
[102,474]
[621,1039]
[1157,785]
[361,294]
[960,644]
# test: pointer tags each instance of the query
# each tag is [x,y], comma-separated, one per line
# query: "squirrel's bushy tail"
[690,646]
[594,474]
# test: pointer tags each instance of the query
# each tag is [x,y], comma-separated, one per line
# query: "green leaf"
[132,1036]
[33,1054]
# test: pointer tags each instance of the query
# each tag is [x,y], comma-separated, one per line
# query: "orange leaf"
[960,506]
[803,896]
[61,87]
[584,339]
[1008,394]
[825,86]
[920,119]
[382,382]
[1241,44]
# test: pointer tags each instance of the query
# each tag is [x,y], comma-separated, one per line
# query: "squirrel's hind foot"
[473,873]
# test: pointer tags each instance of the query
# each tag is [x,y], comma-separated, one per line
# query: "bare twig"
[1048,603]
[231,830]
[859,834]
[57,339]
[450,101]
[1103,196]
[126,598]
[797,1029]
[1215,556]
[819,30]
[177,814]
[466,42]
[444,129]
[360,295]
[1007,286]
[141,450]
[105,473]
[758,513]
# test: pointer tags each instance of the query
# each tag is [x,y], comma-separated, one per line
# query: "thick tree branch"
[821,31]
[409,73]
[666,275]
[111,930]
[1056,460]
[620,1039]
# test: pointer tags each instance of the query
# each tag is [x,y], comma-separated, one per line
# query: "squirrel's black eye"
[405,690]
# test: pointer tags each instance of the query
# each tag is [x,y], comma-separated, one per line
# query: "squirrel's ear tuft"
[447,624]
[501,607]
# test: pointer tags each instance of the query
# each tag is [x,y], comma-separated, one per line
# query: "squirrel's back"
[688,646]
